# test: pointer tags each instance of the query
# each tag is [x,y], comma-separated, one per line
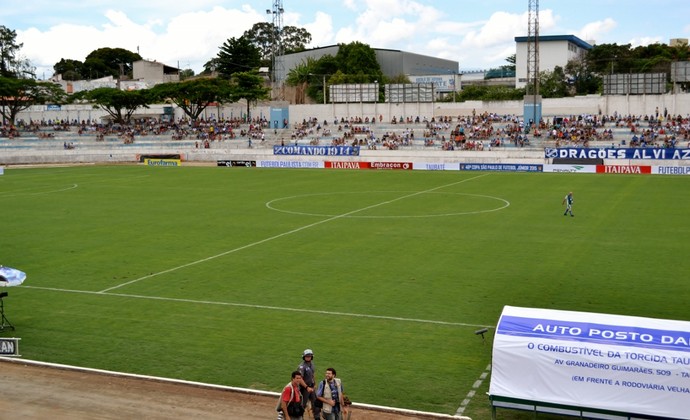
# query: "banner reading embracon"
[619,363]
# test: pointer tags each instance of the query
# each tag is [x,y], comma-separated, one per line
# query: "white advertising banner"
[619,363]
[588,169]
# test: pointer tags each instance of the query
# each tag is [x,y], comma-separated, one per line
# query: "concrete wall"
[591,104]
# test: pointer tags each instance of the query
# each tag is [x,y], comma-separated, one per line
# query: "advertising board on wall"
[299,150]
[649,153]
[620,364]
[501,167]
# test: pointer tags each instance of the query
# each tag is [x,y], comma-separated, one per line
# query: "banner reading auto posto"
[598,361]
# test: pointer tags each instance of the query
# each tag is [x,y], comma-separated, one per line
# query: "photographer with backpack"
[330,395]
[290,403]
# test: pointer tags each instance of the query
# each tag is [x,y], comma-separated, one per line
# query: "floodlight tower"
[532,98]
[277,65]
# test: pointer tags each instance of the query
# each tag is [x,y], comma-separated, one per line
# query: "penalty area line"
[266,307]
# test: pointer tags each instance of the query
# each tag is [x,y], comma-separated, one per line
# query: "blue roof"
[546,38]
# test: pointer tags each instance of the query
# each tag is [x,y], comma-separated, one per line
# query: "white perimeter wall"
[592,104]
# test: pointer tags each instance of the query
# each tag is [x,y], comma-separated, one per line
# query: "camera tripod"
[4,322]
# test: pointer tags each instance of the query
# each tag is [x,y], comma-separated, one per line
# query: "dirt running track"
[30,391]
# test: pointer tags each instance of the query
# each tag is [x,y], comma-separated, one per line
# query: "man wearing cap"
[307,390]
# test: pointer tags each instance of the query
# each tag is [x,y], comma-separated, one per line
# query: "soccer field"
[224,275]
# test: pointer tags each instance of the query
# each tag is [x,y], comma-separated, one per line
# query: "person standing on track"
[307,369]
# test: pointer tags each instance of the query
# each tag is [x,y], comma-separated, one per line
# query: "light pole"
[324,89]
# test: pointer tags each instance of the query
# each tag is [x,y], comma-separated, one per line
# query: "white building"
[153,72]
[554,50]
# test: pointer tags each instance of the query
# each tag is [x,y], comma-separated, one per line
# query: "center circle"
[365,204]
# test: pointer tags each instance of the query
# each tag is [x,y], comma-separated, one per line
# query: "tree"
[114,62]
[358,61]
[194,96]
[69,69]
[552,84]
[186,74]
[11,63]
[610,58]
[354,63]
[237,55]
[488,93]
[294,39]
[583,80]
[210,66]
[249,86]
[119,104]
[263,35]
[17,95]
[511,60]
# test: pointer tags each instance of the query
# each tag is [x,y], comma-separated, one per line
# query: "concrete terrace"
[408,138]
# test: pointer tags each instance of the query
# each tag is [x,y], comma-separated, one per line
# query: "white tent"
[602,365]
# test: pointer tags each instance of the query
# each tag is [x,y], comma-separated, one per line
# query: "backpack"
[279,407]
[295,408]
[318,403]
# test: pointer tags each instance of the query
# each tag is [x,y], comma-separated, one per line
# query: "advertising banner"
[623,169]
[624,364]
[229,163]
[289,164]
[429,166]
[671,170]
[346,165]
[391,165]
[316,150]
[9,346]
[162,162]
[368,165]
[617,153]
[501,167]
[584,169]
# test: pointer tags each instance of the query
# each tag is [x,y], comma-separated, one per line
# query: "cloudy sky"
[479,34]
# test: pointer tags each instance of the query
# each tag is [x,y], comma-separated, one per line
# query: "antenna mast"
[532,102]
[277,64]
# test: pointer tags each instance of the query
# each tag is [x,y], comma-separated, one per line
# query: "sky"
[479,34]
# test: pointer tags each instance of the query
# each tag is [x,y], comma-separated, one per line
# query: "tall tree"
[17,95]
[237,55]
[11,63]
[264,34]
[119,104]
[581,77]
[358,62]
[114,62]
[194,96]
[69,69]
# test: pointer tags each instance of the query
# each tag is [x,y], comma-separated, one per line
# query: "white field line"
[473,391]
[266,307]
[280,235]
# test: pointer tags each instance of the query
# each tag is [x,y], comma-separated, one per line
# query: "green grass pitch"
[224,275]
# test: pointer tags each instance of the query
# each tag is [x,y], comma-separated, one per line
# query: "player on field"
[568,202]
